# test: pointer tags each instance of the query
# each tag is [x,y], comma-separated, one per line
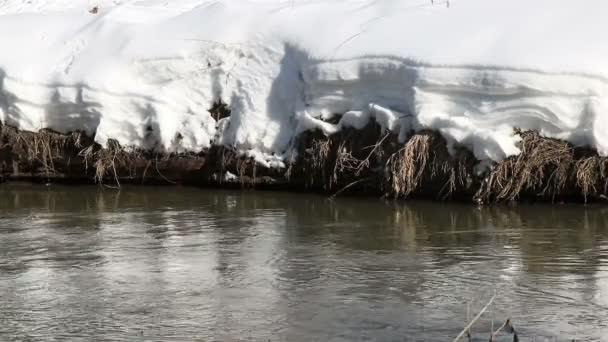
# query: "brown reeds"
[369,160]
[542,169]
[108,160]
[424,161]
[329,163]
[39,150]
[592,177]
[548,169]
[373,160]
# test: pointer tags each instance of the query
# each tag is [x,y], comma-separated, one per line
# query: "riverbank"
[165,93]
[366,161]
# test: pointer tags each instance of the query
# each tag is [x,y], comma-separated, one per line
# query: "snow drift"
[146,72]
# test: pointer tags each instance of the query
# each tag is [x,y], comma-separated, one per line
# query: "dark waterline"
[182,264]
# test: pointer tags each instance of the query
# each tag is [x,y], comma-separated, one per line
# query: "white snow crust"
[146,72]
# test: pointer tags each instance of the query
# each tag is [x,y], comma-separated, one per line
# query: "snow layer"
[145,72]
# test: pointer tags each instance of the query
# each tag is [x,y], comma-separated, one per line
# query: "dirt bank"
[364,161]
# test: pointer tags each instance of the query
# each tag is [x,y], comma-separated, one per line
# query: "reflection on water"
[185,264]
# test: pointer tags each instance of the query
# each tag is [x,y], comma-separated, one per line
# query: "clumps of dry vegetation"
[223,159]
[592,177]
[548,169]
[424,161]
[47,155]
[542,168]
[373,160]
[328,163]
[368,160]
[41,153]
[108,161]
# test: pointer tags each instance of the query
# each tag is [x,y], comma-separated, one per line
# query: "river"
[186,264]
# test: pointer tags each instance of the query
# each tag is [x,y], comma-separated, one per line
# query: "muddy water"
[181,264]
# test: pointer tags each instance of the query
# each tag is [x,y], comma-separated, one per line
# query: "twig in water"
[160,174]
[114,168]
[492,323]
[475,319]
[469,337]
[143,177]
[507,323]
[346,187]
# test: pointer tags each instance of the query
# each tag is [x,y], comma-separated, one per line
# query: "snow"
[146,72]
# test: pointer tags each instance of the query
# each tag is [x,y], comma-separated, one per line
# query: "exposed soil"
[355,161]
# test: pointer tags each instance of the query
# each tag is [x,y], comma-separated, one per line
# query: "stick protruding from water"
[475,319]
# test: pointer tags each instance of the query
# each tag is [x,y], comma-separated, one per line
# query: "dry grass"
[222,159]
[367,159]
[346,158]
[548,169]
[370,156]
[544,168]
[320,153]
[425,161]
[592,177]
[109,160]
[41,149]
[313,163]
[247,171]
[115,162]
[407,166]
[47,152]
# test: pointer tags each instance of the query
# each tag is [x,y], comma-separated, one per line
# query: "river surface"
[183,264]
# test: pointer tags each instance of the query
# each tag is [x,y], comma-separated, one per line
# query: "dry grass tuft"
[314,163]
[247,170]
[425,162]
[346,158]
[372,159]
[407,166]
[112,159]
[592,177]
[542,169]
[40,150]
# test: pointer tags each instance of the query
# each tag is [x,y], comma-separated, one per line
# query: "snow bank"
[146,72]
